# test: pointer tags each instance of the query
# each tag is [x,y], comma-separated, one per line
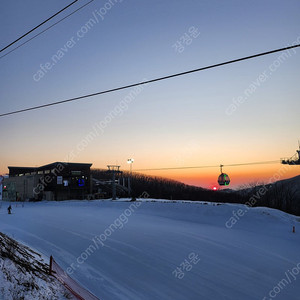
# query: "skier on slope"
[9,209]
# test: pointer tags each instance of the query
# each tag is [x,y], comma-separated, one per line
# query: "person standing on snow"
[9,210]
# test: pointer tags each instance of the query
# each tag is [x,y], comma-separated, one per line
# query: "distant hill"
[163,188]
[283,194]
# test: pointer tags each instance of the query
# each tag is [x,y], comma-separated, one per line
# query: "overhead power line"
[149,81]
[25,34]
[216,166]
[46,29]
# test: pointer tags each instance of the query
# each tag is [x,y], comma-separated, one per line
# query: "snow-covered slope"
[124,250]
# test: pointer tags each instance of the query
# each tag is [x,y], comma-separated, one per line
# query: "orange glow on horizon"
[238,175]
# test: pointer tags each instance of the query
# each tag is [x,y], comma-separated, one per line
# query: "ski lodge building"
[56,181]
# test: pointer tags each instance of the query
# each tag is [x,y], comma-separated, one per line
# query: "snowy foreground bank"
[24,274]
[164,250]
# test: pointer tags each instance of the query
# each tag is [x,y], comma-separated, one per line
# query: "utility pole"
[113,169]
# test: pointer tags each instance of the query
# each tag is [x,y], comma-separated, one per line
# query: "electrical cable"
[148,81]
[31,30]
[46,29]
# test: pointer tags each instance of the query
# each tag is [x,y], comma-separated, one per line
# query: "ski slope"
[239,257]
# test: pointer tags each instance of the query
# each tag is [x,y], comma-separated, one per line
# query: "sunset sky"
[239,113]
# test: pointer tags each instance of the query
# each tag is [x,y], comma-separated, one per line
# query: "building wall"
[48,196]
[21,187]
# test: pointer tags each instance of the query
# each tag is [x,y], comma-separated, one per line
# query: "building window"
[76,172]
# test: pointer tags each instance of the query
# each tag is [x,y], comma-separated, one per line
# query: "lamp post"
[1,189]
[130,161]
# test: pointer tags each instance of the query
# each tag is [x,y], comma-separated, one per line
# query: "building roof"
[24,170]
[21,170]
[55,164]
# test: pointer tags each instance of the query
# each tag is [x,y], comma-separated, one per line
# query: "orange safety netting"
[74,287]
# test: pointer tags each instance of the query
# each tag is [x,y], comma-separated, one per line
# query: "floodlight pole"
[1,190]
[130,161]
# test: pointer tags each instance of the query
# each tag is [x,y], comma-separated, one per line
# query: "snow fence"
[73,286]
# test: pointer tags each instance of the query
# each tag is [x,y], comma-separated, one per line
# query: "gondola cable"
[214,166]
[223,179]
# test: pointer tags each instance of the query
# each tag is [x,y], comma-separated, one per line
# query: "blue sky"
[181,121]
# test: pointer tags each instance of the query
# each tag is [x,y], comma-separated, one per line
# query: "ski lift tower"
[294,160]
[113,169]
